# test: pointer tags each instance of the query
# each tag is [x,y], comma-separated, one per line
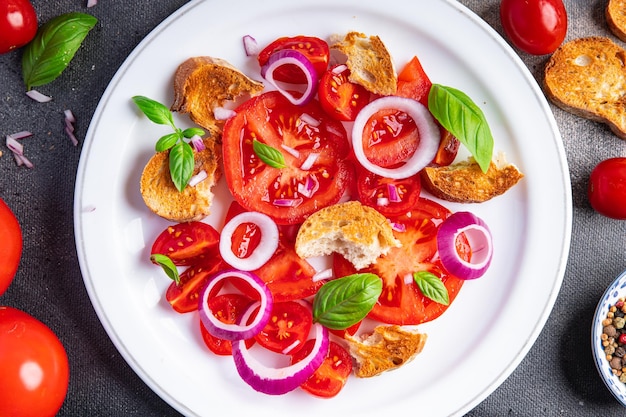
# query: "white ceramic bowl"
[612,294]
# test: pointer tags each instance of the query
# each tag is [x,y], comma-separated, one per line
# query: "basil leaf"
[432,287]
[155,111]
[342,302]
[268,155]
[166,142]
[167,265]
[193,131]
[53,47]
[464,119]
[181,164]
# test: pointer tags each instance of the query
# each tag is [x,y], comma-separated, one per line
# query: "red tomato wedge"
[187,243]
[287,329]
[183,296]
[339,97]
[312,145]
[401,302]
[413,82]
[315,49]
[333,373]
[228,308]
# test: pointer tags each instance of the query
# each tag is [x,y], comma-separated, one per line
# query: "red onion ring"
[278,381]
[480,241]
[236,331]
[428,136]
[293,57]
[262,253]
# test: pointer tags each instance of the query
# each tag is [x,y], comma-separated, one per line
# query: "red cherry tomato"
[183,296]
[332,374]
[228,308]
[18,24]
[340,98]
[11,247]
[315,49]
[35,371]
[390,137]
[287,329]
[187,243]
[534,26]
[607,188]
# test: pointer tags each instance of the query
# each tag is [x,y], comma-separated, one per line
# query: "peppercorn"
[619,322]
[609,331]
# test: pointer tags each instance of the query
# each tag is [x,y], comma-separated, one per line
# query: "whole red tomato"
[35,370]
[607,188]
[11,247]
[18,24]
[534,26]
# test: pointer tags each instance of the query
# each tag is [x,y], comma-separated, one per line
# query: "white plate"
[471,349]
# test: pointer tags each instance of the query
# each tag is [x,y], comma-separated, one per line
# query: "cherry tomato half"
[11,248]
[315,49]
[287,329]
[333,373]
[340,98]
[534,26]
[228,308]
[18,24]
[607,188]
[187,243]
[35,370]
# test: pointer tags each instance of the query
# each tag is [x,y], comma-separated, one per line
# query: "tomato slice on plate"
[315,49]
[391,197]
[339,97]
[313,172]
[401,301]
[183,296]
[288,328]
[228,308]
[187,243]
[333,373]
[390,137]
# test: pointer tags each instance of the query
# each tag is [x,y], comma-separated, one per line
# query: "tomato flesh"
[11,248]
[184,295]
[607,188]
[391,197]
[413,82]
[390,137]
[314,49]
[288,328]
[333,373]
[187,243]
[228,308]
[18,24]
[339,97]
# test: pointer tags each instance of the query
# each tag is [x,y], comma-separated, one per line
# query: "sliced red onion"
[426,126]
[394,195]
[309,161]
[292,57]
[264,250]
[309,187]
[20,135]
[323,274]
[382,201]
[18,152]
[278,381]
[479,238]
[222,113]
[310,120]
[287,202]
[69,126]
[242,330]
[250,45]
[198,178]
[292,151]
[339,69]
[398,227]
[197,143]
[91,3]
[38,97]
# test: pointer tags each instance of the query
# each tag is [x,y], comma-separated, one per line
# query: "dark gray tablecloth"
[557,377]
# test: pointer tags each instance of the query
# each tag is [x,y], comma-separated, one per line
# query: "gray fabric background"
[557,377]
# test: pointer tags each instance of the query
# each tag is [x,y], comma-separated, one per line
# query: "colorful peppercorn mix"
[614,338]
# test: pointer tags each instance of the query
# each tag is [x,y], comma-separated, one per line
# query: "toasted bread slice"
[386,348]
[587,77]
[369,62]
[163,198]
[615,13]
[465,182]
[359,233]
[203,84]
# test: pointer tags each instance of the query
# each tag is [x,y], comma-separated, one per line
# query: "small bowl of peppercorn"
[608,338]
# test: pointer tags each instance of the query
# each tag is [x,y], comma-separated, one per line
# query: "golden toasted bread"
[465,182]
[615,13]
[203,84]
[359,233]
[369,62]
[163,198]
[587,77]
[386,348]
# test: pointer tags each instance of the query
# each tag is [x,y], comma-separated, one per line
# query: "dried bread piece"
[587,77]
[369,62]
[163,198]
[359,233]
[202,84]
[386,348]
[615,14]
[465,182]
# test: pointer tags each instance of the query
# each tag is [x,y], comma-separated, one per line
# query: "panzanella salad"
[330,252]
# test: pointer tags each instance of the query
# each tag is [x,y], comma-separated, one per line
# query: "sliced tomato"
[413,82]
[187,243]
[339,97]
[401,301]
[391,197]
[333,373]
[183,296]
[351,331]
[390,137]
[448,148]
[288,328]
[315,173]
[228,308]
[315,49]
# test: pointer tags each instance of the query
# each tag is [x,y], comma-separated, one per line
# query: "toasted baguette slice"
[615,13]
[587,77]
[465,182]
[386,348]
[202,84]
[163,198]
[369,62]
[359,233]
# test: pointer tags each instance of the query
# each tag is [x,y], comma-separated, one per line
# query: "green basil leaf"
[193,131]
[155,111]
[166,142]
[181,164]
[432,287]
[342,302]
[53,47]
[268,155]
[167,265]
[464,119]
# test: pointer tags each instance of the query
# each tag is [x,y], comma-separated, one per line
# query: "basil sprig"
[181,157]
[168,266]
[432,287]
[53,47]
[270,156]
[342,302]
[464,119]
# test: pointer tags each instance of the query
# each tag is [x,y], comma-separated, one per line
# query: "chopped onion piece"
[309,187]
[222,113]
[324,274]
[198,178]
[18,152]
[69,126]
[292,151]
[197,143]
[69,116]
[38,97]
[291,57]
[339,69]
[382,201]
[250,45]
[287,202]
[309,161]
[310,120]
[264,250]
[398,227]
[20,135]
[91,3]
[394,195]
